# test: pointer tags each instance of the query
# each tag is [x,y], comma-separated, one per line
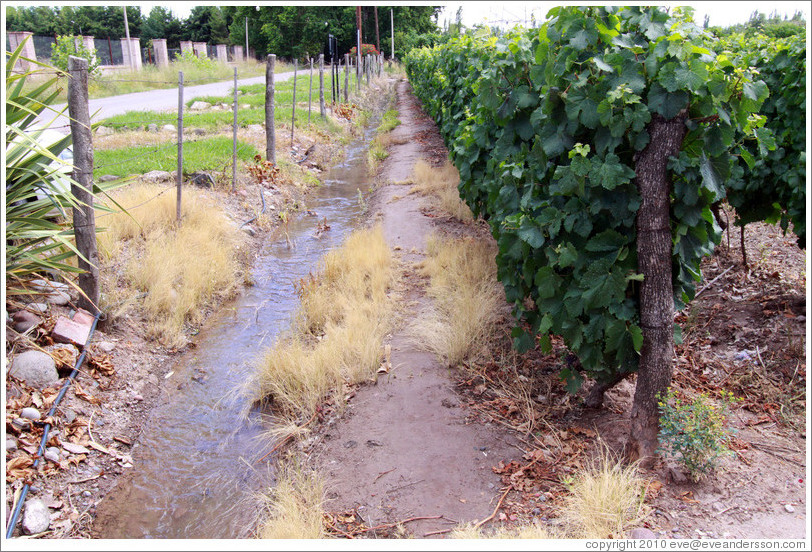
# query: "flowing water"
[194,471]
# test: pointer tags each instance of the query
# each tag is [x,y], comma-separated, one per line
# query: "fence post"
[321,87]
[310,93]
[346,77]
[234,154]
[84,217]
[270,132]
[293,117]
[358,63]
[180,143]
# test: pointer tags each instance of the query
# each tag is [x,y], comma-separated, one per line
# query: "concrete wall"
[200,49]
[222,53]
[161,52]
[239,53]
[15,39]
[132,54]
[186,46]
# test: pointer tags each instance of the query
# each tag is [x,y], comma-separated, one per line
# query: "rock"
[108,178]
[40,308]
[35,368]
[69,415]
[74,448]
[197,132]
[789,508]
[24,321]
[157,176]
[642,533]
[21,424]
[152,127]
[199,106]
[11,444]
[104,131]
[106,346]
[70,358]
[169,128]
[249,230]
[36,517]
[58,298]
[201,180]
[742,356]
[52,454]
[30,413]
[87,494]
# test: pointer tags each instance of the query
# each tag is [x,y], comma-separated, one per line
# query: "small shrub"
[199,62]
[365,49]
[69,45]
[695,432]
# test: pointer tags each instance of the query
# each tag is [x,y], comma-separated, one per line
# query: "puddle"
[193,475]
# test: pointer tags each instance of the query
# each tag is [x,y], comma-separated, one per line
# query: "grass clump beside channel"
[379,148]
[336,335]
[169,273]
[468,299]
[294,507]
[440,184]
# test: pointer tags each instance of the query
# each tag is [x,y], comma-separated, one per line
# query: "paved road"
[154,100]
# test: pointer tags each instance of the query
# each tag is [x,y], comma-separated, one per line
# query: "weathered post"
[310,92]
[84,217]
[346,77]
[270,132]
[180,143]
[234,153]
[293,117]
[321,87]
[358,63]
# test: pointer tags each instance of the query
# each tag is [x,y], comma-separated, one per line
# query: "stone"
[106,346]
[69,414]
[36,517]
[201,180]
[83,317]
[642,533]
[70,331]
[30,413]
[11,444]
[108,178]
[52,454]
[152,127]
[104,131]
[72,354]
[59,298]
[157,176]
[197,132]
[73,448]
[41,308]
[21,424]
[169,128]
[36,368]
[24,321]
[199,106]
[789,508]
[249,230]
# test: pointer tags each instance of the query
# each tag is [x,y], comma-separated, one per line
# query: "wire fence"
[209,138]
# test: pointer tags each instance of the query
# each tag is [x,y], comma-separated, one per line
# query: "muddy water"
[193,474]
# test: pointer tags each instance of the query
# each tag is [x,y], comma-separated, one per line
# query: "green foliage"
[695,432]
[66,46]
[772,188]
[36,242]
[191,59]
[545,126]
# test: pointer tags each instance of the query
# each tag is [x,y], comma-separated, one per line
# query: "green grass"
[389,121]
[198,155]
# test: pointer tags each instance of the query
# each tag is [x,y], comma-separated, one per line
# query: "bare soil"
[454,444]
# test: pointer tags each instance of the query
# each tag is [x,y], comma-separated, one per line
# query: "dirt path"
[404,449]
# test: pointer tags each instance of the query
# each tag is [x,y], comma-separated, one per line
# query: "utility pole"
[129,44]
[246,38]
[377,32]
[358,21]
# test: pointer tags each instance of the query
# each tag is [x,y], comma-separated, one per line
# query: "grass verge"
[336,336]
[379,148]
[467,298]
[171,273]
[293,509]
[440,184]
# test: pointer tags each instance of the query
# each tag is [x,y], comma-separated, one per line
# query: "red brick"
[70,331]
[81,316]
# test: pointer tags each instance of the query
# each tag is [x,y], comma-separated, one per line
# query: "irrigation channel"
[193,474]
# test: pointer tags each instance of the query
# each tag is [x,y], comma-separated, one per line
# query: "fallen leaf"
[84,395]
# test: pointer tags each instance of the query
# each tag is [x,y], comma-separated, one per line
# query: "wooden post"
[293,117]
[358,59]
[310,93]
[84,217]
[270,132]
[180,143]
[377,32]
[346,77]
[321,87]
[234,154]
[392,30]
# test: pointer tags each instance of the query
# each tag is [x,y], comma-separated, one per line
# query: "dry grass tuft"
[440,183]
[467,298]
[337,333]
[532,531]
[605,498]
[294,506]
[173,272]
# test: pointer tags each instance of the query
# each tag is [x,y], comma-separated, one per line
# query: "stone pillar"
[90,45]
[200,49]
[15,38]
[161,52]
[186,46]
[135,48]
[222,53]
[239,55]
